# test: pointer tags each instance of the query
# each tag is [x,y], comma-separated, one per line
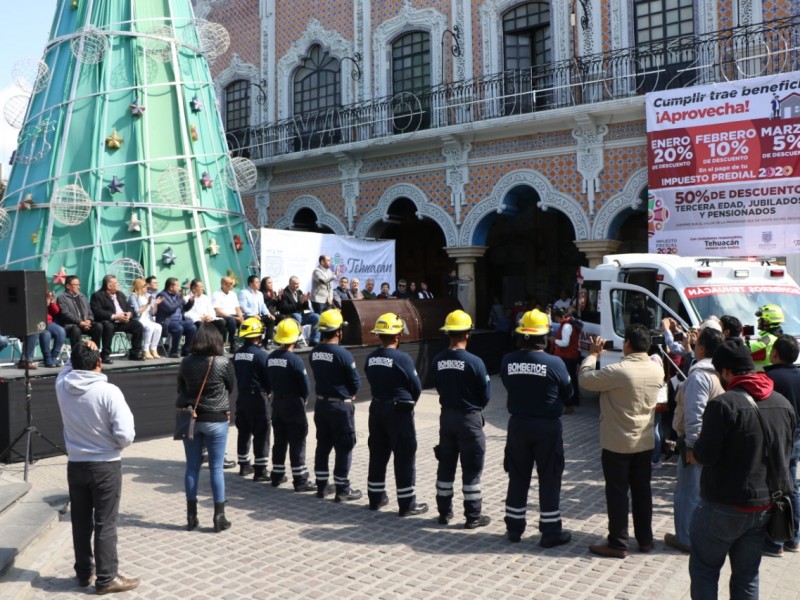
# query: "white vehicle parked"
[645,288]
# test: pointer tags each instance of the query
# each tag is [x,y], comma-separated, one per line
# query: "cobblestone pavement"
[283,544]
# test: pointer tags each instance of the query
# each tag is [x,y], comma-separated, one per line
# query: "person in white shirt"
[564,302]
[226,306]
[202,310]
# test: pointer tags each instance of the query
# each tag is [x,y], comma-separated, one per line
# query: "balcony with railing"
[732,54]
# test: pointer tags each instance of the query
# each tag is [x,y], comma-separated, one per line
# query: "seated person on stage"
[75,315]
[384,295]
[369,290]
[251,301]
[272,300]
[143,306]
[112,311]
[226,305]
[170,315]
[201,310]
[341,292]
[423,293]
[294,303]
[401,291]
[355,292]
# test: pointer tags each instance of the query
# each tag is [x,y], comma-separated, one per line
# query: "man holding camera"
[628,396]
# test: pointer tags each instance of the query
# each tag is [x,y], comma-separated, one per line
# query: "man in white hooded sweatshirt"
[97,425]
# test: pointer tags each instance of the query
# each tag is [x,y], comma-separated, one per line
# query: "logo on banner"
[339,266]
[766,241]
[657,215]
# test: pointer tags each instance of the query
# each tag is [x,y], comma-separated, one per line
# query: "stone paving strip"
[283,544]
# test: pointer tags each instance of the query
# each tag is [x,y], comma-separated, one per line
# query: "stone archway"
[312,203]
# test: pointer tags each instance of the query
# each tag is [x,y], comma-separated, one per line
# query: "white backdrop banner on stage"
[287,253]
[724,168]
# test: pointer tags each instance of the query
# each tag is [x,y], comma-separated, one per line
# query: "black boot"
[191,515]
[220,522]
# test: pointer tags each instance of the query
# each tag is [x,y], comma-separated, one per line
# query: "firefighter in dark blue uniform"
[464,391]
[336,384]
[538,384]
[395,389]
[290,388]
[252,402]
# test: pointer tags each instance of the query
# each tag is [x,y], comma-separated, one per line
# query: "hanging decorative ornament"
[74,5]
[60,278]
[137,110]
[213,248]
[238,243]
[232,276]
[168,257]
[114,142]
[35,239]
[115,187]
[206,181]
[196,105]
[26,203]
[134,224]
[195,135]
[5,223]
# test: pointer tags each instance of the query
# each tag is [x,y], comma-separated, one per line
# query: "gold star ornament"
[114,141]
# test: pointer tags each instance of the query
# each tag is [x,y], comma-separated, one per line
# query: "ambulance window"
[671,298]
[587,302]
[645,278]
[629,308]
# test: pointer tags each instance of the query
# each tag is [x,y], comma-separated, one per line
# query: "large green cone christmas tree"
[121,165]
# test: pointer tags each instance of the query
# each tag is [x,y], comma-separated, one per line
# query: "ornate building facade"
[503,137]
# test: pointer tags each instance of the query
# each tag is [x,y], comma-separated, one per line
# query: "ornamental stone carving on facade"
[262,196]
[471,229]
[424,207]
[456,172]
[350,170]
[590,159]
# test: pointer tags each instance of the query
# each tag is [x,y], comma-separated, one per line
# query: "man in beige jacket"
[628,393]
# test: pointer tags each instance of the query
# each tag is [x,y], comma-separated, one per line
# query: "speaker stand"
[29,428]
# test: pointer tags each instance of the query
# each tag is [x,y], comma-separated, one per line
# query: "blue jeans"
[719,531]
[58,334]
[214,437]
[309,319]
[686,498]
[795,492]
[657,433]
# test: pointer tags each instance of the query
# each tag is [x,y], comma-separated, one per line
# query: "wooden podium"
[423,318]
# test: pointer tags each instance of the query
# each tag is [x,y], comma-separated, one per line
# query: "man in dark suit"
[75,315]
[113,313]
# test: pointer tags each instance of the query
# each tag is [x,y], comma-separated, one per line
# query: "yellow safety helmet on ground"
[330,320]
[456,322]
[388,324]
[533,322]
[771,314]
[287,332]
[251,328]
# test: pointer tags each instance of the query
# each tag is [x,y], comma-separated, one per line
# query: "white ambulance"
[645,288]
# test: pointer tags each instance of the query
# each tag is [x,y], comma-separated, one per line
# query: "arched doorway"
[306,219]
[530,254]
[630,228]
[419,245]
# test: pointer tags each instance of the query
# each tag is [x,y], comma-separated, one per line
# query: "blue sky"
[24,30]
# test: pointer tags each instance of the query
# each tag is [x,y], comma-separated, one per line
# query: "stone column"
[595,250]
[466,257]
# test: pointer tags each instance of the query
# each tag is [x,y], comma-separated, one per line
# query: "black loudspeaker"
[23,303]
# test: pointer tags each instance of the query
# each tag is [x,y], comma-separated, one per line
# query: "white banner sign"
[288,253]
[724,168]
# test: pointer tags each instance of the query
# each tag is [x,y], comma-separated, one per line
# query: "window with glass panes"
[317,82]
[526,36]
[657,20]
[237,105]
[411,62]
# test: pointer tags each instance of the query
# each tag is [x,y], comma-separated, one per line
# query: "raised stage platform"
[150,389]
